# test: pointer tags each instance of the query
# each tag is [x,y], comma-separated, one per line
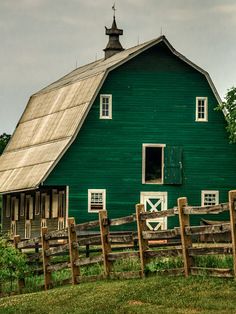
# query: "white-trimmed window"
[201,109]
[105,106]
[153,163]
[210,198]
[96,200]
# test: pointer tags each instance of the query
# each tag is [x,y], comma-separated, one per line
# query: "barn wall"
[153,102]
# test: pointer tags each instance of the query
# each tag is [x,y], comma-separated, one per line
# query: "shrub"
[12,262]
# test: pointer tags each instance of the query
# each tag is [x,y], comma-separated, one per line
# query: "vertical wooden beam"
[106,246]
[143,244]
[232,203]
[73,249]
[46,259]
[185,239]
[21,281]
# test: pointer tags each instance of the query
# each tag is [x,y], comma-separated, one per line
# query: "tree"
[4,139]
[229,109]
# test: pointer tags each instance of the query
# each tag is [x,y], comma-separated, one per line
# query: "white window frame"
[205,119]
[203,193]
[109,96]
[90,191]
[144,163]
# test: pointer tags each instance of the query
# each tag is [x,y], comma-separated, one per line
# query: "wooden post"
[73,249]
[232,200]
[143,244]
[106,246]
[46,259]
[21,281]
[185,239]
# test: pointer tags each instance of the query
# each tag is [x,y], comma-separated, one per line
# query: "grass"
[152,295]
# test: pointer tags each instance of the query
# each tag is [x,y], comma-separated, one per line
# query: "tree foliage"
[12,262]
[4,139]
[229,108]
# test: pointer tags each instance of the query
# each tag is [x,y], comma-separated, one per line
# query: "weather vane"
[114,9]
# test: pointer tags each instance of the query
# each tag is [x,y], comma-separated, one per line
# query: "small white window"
[210,198]
[201,109]
[105,106]
[96,200]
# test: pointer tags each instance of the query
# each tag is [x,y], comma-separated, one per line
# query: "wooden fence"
[81,247]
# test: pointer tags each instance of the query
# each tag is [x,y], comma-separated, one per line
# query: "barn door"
[155,201]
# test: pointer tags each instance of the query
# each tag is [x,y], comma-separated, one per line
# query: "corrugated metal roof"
[53,117]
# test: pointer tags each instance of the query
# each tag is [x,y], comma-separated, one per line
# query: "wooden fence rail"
[81,247]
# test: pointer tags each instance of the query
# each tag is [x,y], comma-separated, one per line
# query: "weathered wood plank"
[46,259]
[164,253]
[59,266]
[55,250]
[185,239]
[207,229]
[163,213]
[122,255]
[57,234]
[89,260]
[143,243]
[106,246]
[87,225]
[91,278]
[121,239]
[126,275]
[232,200]
[160,235]
[196,251]
[122,220]
[29,243]
[170,271]
[215,272]
[73,250]
[90,240]
[198,210]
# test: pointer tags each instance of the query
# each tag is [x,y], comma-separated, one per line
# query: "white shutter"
[16,209]
[47,206]
[54,204]
[31,208]
[8,206]
[22,204]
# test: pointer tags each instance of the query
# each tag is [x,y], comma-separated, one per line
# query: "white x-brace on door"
[155,201]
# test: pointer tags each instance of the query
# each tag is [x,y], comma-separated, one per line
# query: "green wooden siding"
[153,101]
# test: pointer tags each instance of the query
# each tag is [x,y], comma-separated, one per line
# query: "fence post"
[143,244]
[232,199]
[46,259]
[21,281]
[73,249]
[186,240]
[106,246]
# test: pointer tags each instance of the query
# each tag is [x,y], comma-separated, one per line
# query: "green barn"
[138,125]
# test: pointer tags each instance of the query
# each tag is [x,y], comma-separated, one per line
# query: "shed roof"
[54,116]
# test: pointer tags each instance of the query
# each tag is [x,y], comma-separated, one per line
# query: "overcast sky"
[41,40]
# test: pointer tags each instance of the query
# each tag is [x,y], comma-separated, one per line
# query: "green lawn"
[151,295]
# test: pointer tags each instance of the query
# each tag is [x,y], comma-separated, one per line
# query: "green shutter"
[173,165]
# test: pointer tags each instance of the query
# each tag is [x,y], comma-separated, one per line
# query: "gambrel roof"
[54,116]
